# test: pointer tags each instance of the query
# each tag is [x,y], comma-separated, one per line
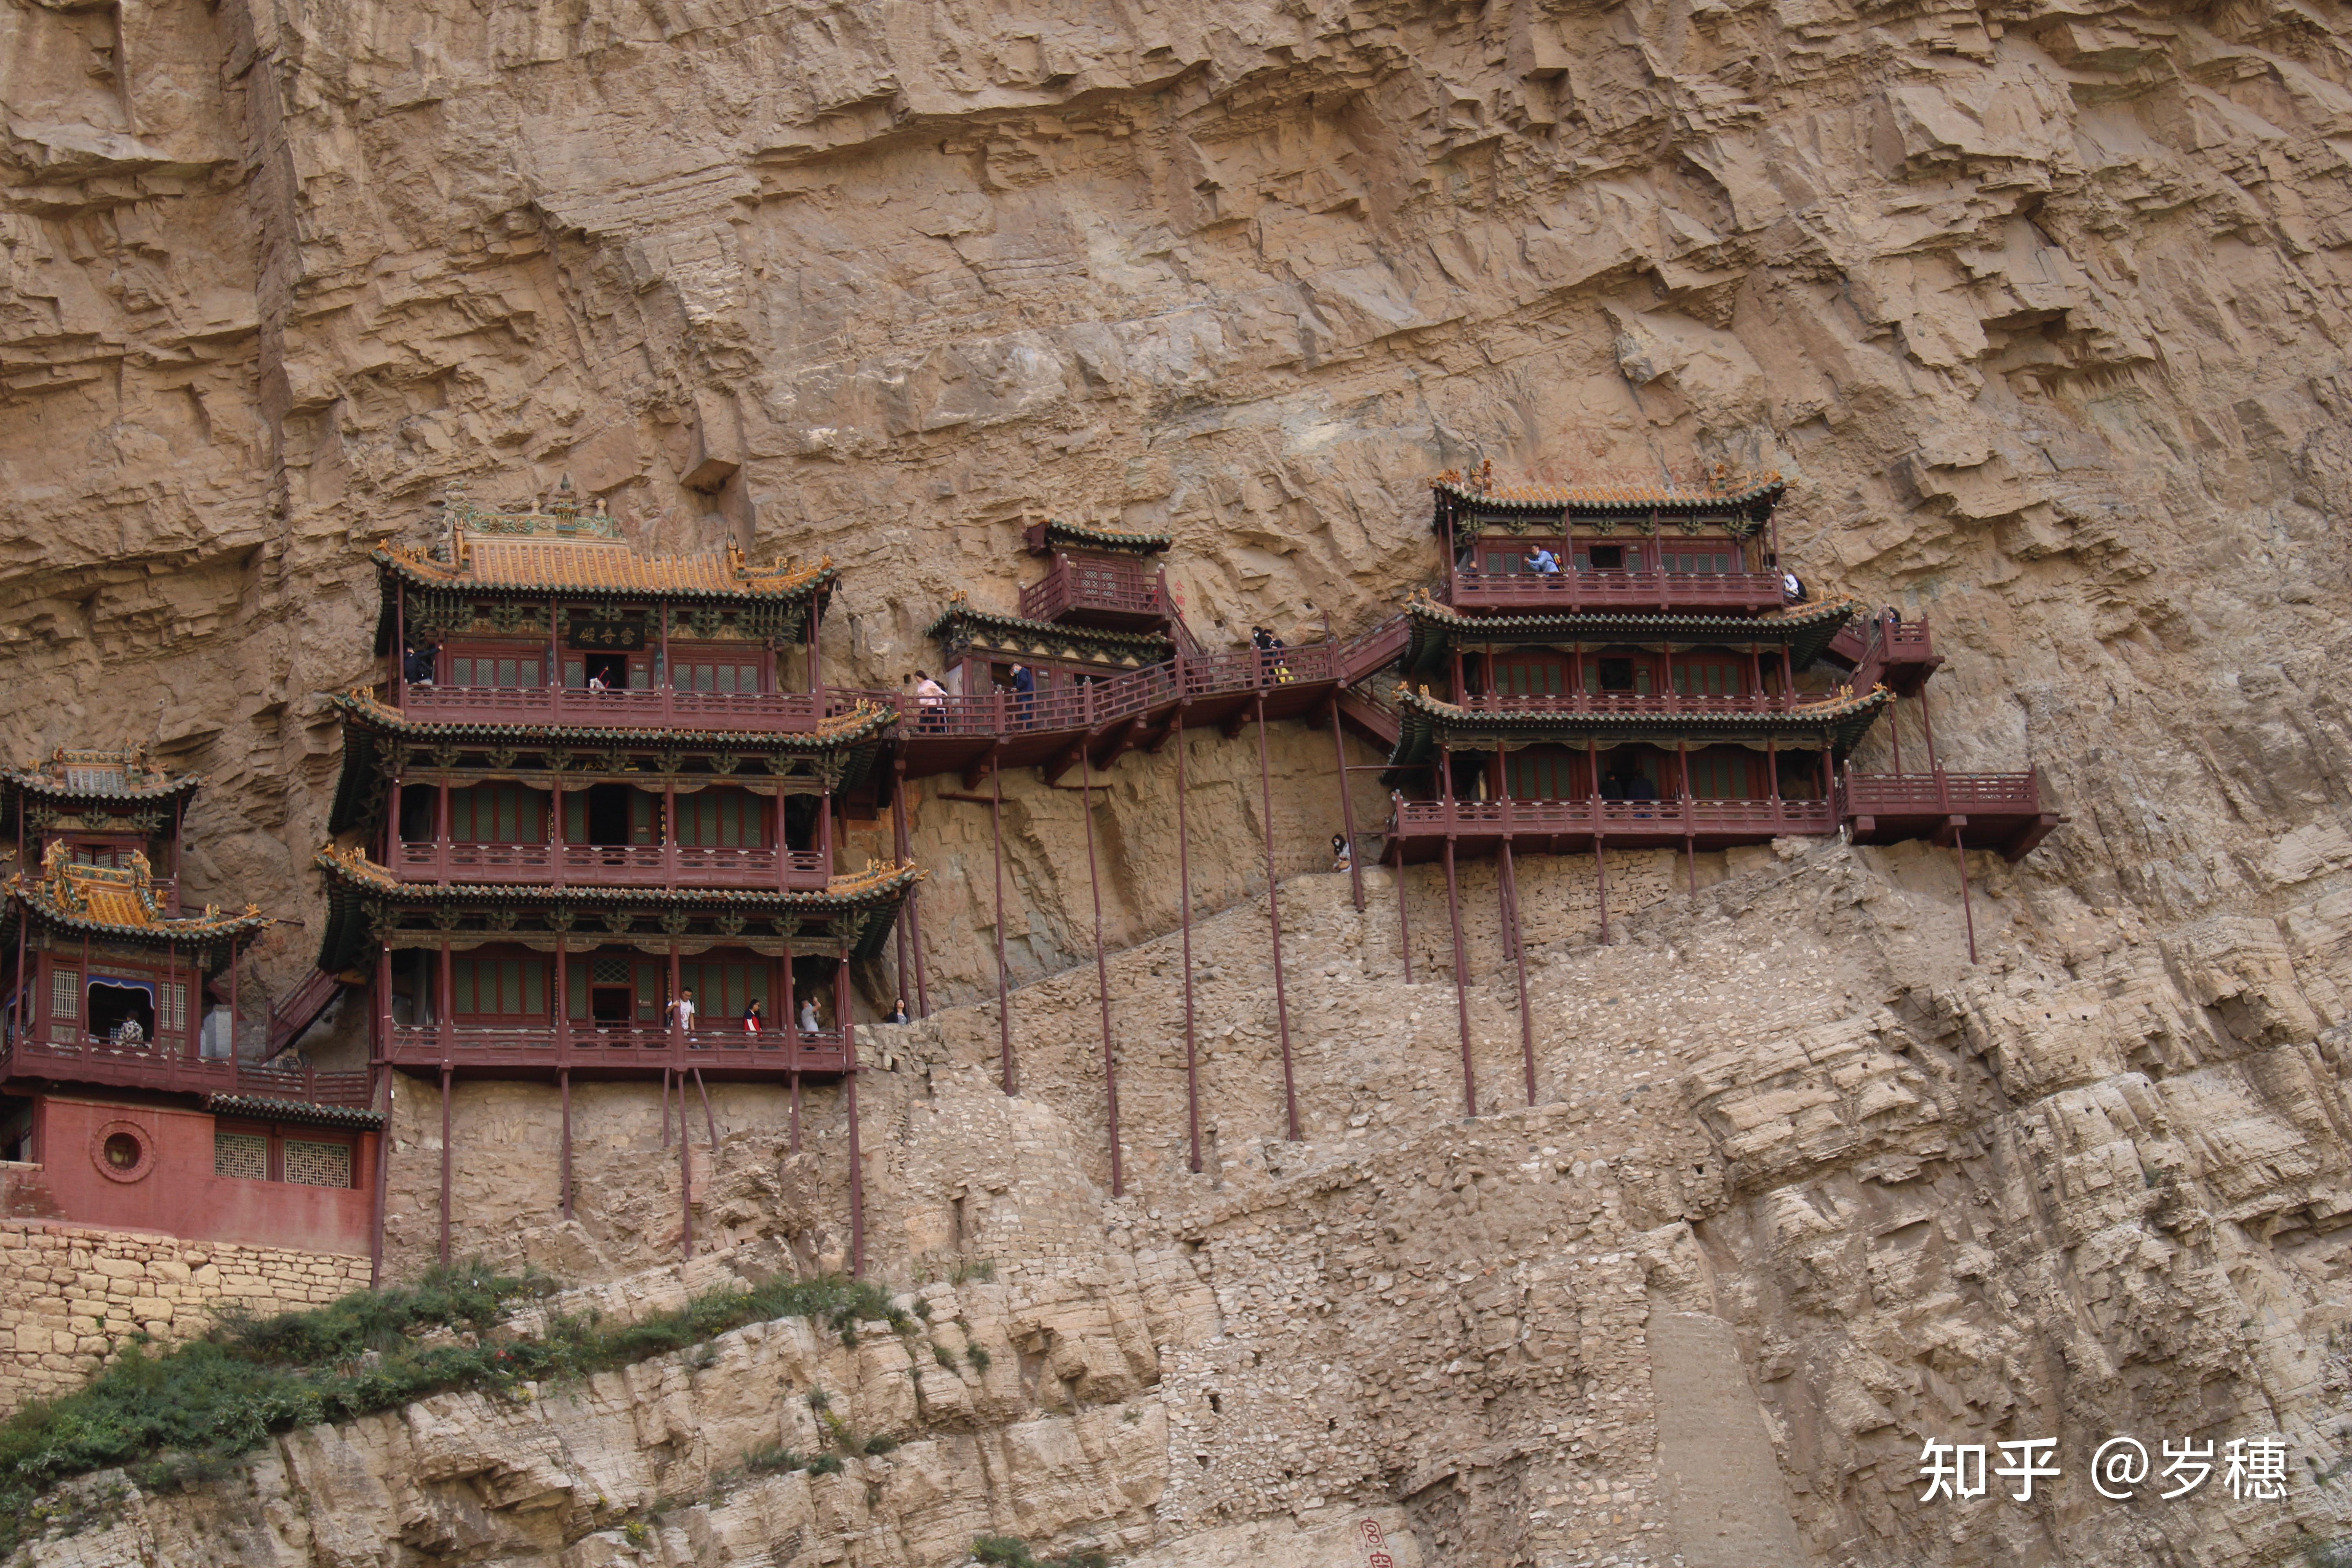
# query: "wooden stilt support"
[1927,726]
[857,1154]
[1461,984]
[1184,917]
[911,928]
[382,1098]
[665,1142]
[1274,923]
[444,1164]
[684,1177]
[1003,992]
[1968,911]
[1346,807]
[1404,921]
[710,1122]
[1690,835]
[1601,880]
[1508,887]
[792,1044]
[1102,976]
[563,1161]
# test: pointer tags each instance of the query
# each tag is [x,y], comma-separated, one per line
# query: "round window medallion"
[122,1150]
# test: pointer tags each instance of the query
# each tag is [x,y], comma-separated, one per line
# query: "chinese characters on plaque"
[2252,1467]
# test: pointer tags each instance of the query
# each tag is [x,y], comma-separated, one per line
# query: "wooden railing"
[1565,591]
[1940,794]
[1100,702]
[615,865]
[1878,642]
[618,1046]
[1673,704]
[1764,818]
[660,709]
[172,1068]
[1362,656]
[1100,587]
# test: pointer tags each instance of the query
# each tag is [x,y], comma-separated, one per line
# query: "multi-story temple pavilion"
[131,1091]
[1634,666]
[587,823]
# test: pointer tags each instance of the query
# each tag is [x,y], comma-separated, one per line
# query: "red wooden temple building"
[592,786]
[131,1093]
[1628,666]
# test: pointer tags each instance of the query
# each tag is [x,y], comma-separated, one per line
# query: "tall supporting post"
[1927,725]
[1346,805]
[1690,825]
[1460,982]
[1510,891]
[1968,910]
[1184,918]
[1895,733]
[445,1008]
[399,657]
[902,812]
[702,1092]
[1003,992]
[563,1164]
[382,1101]
[232,987]
[1404,919]
[1274,921]
[857,1156]
[444,1164]
[1102,970]
[792,1044]
[685,1178]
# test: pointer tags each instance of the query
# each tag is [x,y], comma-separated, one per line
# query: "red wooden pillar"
[563,1167]
[1184,918]
[446,1122]
[1102,973]
[232,991]
[857,1156]
[906,827]
[996,838]
[1967,910]
[1274,921]
[382,1097]
[1347,805]
[792,1043]
[784,845]
[399,649]
[1404,919]
[1454,916]
[1506,890]
[1928,723]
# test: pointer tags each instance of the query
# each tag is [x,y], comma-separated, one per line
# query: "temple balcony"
[617,1050]
[761,713]
[2007,812]
[1568,592]
[1420,827]
[1671,705]
[612,866]
[1902,654]
[1116,594]
[58,1051]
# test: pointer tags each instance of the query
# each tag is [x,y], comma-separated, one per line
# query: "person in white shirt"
[931,697]
[809,1025]
[681,1012]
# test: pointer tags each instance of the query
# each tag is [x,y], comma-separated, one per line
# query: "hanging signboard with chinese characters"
[590,632]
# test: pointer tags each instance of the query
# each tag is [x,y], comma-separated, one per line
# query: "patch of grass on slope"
[196,1409]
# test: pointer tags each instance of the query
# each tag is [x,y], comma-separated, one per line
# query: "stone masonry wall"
[71,1298]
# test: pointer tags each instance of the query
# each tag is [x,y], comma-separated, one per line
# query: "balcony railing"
[1488,818]
[1100,702]
[618,1046]
[611,865]
[754,713]
[171,1068]
[1567,591]
[1672,705]
[1873,645]
[1121,593]
[1941,795]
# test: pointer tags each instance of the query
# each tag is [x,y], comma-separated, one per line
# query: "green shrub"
[189,1413]
[881,1444]
[773,1459]
[1012,1551]
[825,1464]
[944,1356]
[978,1356]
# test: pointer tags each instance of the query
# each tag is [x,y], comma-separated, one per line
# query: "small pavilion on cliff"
[133,1089]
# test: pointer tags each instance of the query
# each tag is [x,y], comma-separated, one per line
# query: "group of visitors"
[682,1013]
[1270,651]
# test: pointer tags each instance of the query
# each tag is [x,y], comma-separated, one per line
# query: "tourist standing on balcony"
[809,1025]
[417,668]
[931,700]
[897,1012]
[1543,563]
[1024,692]
[681,1011]
[751,1017]
[1793,587]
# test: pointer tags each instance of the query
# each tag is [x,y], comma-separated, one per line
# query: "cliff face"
[2040,310]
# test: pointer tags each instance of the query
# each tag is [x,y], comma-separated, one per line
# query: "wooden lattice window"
[498,814]
[725,677]
[241,1155]
[723,989]
[310,1164]
[498,988]
[65,994]
[1711,675]
[486,670]
[722,820]
[1525,675]
[1723,775]
[173,1006]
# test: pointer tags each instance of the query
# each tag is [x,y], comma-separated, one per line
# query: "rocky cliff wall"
[2039,307]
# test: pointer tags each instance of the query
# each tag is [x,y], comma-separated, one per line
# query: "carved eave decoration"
[961,630]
